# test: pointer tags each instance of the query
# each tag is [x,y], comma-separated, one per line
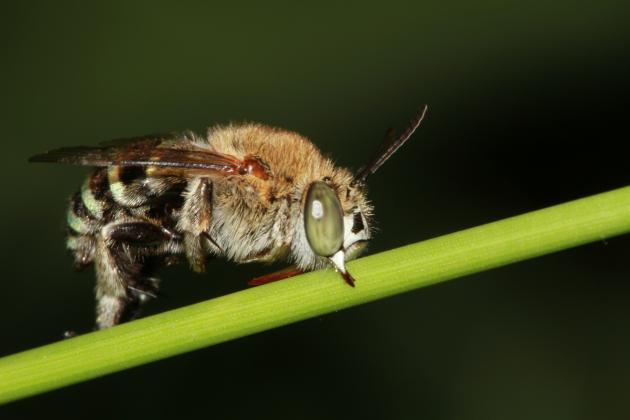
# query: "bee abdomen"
[87,213]
[127,186]
[94,193]
[88,207]
[131,187]
[79,218]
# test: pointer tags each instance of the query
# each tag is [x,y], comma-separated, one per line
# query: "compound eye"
[323,219]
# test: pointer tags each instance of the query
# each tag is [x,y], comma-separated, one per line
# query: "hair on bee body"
[244,192]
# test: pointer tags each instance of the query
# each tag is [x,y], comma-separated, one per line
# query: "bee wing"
[162,158]
[150,140]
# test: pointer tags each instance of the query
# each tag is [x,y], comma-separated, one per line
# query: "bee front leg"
[195,220]
[123,280]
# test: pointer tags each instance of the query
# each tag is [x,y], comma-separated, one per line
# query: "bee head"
[336,221]
[336,212]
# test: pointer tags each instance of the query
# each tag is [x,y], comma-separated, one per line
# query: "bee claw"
[148,288]
[69,334]
[142,292]
[212,241]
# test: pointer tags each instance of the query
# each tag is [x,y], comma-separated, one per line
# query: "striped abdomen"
[116,193]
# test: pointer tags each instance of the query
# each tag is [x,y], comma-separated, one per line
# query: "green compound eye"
[323,219]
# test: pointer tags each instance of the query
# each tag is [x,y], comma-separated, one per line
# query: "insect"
[246,192]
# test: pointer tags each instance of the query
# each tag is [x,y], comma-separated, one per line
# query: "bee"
[246,192]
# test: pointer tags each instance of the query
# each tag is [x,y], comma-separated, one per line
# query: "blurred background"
[528,108]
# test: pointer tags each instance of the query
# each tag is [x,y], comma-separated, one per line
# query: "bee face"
[356,234]
[333,226]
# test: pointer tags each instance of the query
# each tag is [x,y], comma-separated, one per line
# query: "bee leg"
[123,268]
[196,216]
[82,248]
[285,273]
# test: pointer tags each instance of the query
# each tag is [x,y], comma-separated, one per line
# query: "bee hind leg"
[124,255]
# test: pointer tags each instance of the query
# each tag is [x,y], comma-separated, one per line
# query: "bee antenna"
[389,146]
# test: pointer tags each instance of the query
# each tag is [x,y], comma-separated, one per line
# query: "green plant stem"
[312,294]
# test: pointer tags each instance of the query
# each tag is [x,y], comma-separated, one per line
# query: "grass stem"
[258,309]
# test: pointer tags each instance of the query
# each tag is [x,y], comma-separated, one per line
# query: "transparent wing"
[163,155]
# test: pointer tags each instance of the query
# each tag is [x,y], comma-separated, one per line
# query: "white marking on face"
[350,237]
[317,210]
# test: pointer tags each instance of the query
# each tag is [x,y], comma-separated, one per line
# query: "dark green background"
[528,108]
